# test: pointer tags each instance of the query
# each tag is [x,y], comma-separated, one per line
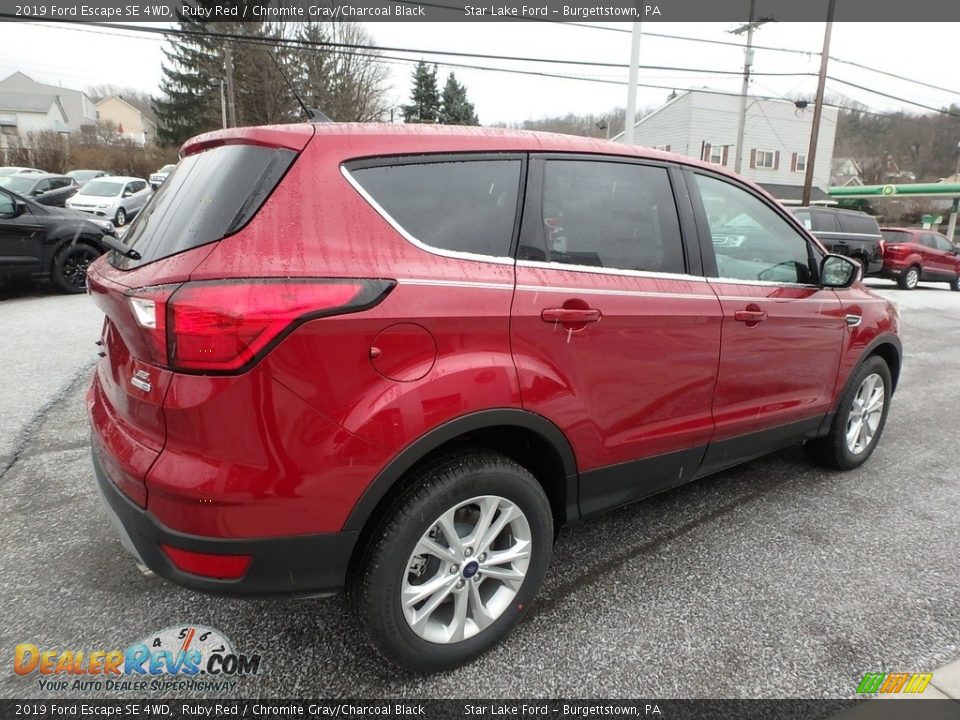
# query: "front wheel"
[70,265]
[859,420]
[456,563]
[955,284]
[120,219]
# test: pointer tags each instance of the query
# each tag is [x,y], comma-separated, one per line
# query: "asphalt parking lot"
[776,579]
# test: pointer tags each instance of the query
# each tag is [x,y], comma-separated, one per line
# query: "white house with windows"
[703,124]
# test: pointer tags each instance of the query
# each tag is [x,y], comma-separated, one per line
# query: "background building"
[776,138]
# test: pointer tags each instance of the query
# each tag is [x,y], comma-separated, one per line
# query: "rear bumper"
[300,564]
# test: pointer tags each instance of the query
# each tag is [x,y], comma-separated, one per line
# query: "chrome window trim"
[456,283]
[764,283]
[607,291]
[609,271]
[456,254]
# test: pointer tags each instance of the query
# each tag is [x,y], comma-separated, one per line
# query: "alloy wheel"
[913,278]
[75,267]
[865,414]
[466,569]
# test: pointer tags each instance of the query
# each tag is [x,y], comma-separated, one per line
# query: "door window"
[7,206]
[607,215]
[41,187]
[826,222]
[858,224]
[751,241]
[460,205]
[929,240]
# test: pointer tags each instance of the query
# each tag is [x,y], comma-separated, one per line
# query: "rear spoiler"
[290,137]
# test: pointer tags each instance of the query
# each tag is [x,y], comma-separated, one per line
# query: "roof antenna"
[313,115]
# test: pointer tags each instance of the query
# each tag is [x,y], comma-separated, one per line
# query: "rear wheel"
[860,418]
[456,562]
[70,265]
[909,278]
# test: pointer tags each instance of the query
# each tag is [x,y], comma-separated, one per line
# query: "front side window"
[825,222]
[460,206]
[7,206]
[943,243]
[751,241]
[607,215]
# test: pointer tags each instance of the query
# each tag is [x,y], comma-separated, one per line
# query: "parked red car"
[914,254]
[461,340]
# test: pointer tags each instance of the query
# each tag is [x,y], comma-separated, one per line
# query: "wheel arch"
[527,438]
[72,239]
[887,347]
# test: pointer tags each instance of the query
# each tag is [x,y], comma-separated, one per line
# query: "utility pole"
[818,107]
[231,98]
[632,87]
[747,64]
[223,106]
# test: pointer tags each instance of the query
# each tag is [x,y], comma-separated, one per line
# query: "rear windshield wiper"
[114,244]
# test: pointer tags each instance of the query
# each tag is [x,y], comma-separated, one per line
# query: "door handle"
[570,315]
[750,317]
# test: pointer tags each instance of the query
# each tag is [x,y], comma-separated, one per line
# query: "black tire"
[955,284]
[375,588]
[120,219]
[832,449]
[69,272]
[909,278]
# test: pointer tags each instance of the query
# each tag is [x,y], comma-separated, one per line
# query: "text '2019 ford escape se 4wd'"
[460,341]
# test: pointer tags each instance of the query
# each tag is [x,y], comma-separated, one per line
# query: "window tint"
[7,206]
[897,236]
[208,195]
[861,224]
[607,214]
[943,243]
[750,240]
[825,222]
[928,240]
[464,205]
[43,186]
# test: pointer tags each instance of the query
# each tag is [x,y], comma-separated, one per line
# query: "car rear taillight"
[895,249]
[222,326]
[883,245]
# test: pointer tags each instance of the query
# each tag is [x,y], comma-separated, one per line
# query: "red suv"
[397,359]
[914,254]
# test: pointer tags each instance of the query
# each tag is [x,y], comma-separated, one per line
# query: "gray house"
[776,138]
[76,105]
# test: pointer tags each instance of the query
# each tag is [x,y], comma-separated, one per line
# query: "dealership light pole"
[632,86]
[818,107]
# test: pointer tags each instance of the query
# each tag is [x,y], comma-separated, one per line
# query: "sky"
[79,56]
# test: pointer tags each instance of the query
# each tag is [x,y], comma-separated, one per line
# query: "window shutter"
[776,160]
[753,158]
[707,147]
[793,163]
[667,149]
[723,159]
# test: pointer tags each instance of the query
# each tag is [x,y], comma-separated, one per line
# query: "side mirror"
[127,194]
[34,193]
[837,271]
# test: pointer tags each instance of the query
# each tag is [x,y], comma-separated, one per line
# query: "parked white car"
[115,198]
[8,170]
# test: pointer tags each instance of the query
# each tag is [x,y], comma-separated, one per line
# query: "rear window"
[461,206]
[207,197]
[896,236]
[859,224]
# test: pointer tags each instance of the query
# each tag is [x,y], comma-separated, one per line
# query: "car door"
[139,197]
[782,333]
[60,190]
[21,237]
[936,263]
[614,331]
[948,259]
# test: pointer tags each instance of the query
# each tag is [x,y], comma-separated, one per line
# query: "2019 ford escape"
[461,340]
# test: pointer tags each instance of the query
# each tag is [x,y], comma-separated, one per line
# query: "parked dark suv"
[846,232]
[462,339]
[36,240]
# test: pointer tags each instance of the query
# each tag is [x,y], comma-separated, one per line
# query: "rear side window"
[825,222]
[859,224]
[897,236]
[207,197]
[461,206]
[608,215]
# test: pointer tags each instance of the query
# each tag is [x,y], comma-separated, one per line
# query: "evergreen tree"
[455,108]
[425,105]
[190,99]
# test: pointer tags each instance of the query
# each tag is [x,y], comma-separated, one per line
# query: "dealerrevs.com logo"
[190,657]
